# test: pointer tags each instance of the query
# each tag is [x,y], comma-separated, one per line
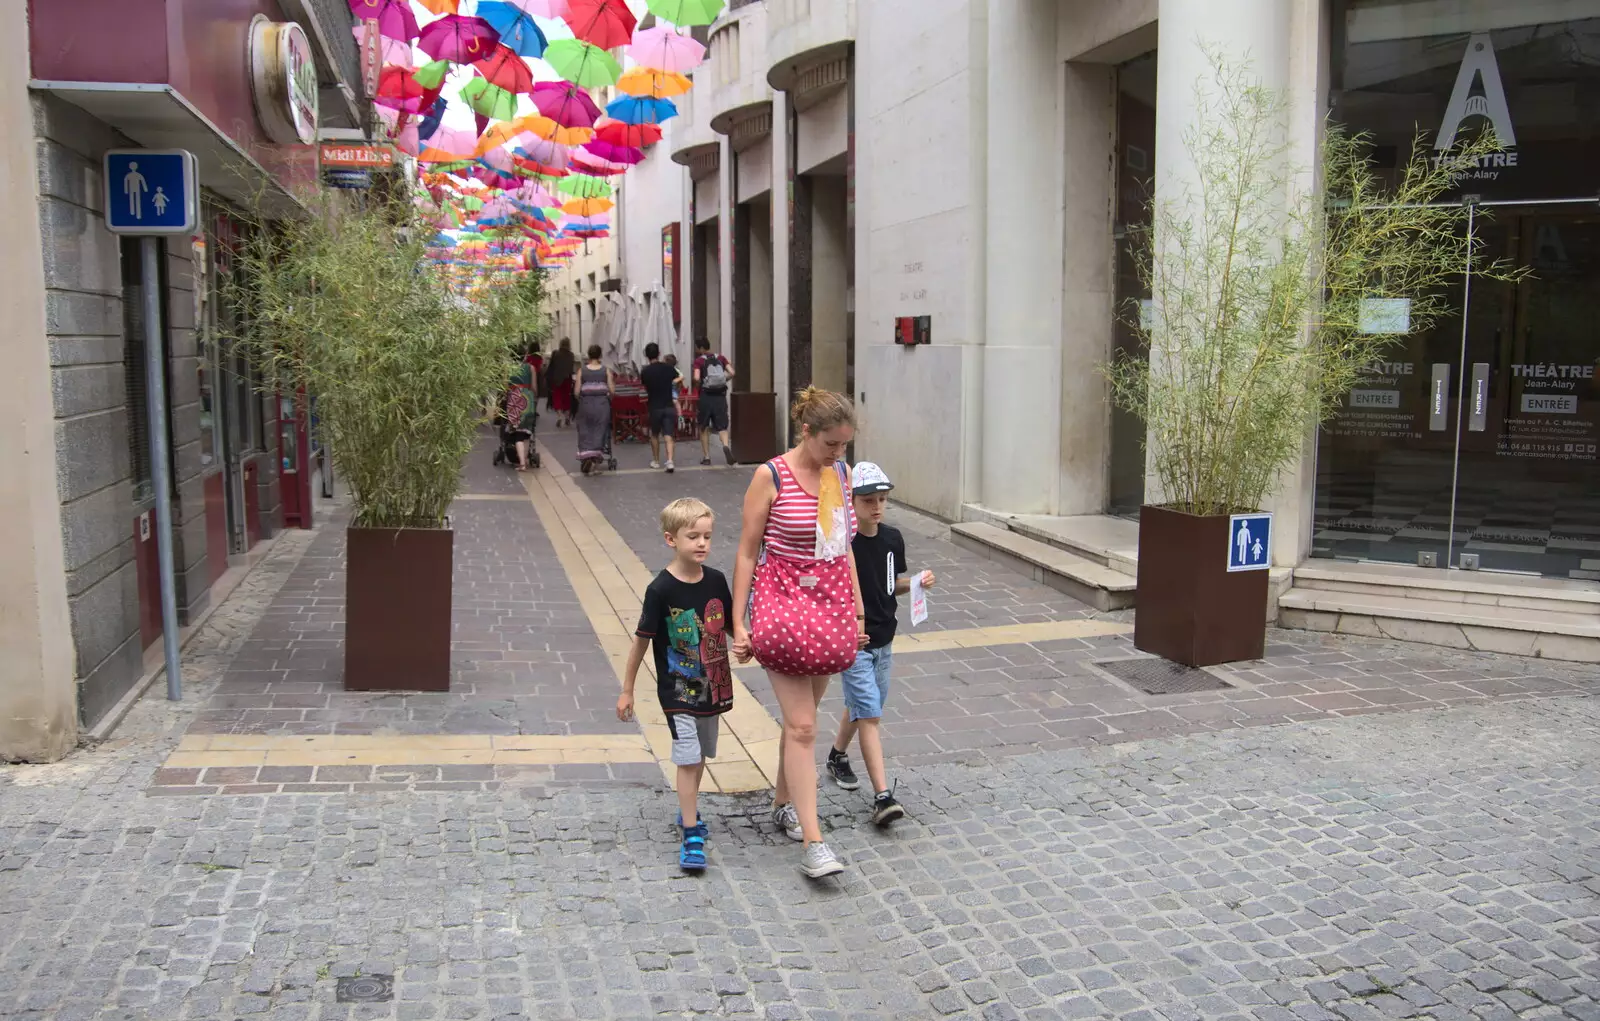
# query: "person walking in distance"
[806,616]
[713,376]
[558,382]
[660,382]
[880,552]
[596,387]
[685,617]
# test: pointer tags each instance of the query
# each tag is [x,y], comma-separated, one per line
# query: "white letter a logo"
[1478,63]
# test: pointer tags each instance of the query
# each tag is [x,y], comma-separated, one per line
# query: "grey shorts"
[694,738]
[664,421]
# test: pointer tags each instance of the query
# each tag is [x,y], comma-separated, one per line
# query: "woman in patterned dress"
[796,574]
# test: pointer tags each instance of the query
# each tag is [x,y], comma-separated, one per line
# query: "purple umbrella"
[459,40]
[615,153]
[566,104]
[395,20]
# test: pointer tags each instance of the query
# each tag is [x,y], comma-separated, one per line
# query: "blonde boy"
[687,610]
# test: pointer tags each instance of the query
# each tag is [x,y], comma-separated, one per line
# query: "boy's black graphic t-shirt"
[688,624]
[880,560]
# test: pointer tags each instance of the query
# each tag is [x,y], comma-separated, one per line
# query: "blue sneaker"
[692,856]
[699,824]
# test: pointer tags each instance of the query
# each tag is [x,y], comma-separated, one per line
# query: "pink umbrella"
[395,19]
[663,49]
[551,154]
[458,39]
[626,154]
[390,51]
[541,8]
[536,195]
[499,159]
[589,163]
[566,104]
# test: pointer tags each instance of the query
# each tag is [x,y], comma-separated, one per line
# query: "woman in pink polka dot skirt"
[796,575]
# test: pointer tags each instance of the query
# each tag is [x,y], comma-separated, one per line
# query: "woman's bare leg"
[797,751]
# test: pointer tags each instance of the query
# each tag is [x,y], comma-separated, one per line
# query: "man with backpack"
[713,376]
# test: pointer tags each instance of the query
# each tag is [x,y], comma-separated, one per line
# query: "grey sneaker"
[788,820]
[820,861]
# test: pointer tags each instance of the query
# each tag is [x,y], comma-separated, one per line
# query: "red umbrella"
[636,135]
[605,23]
[506,69]
[566,104]
[395,20]
[458,39]
[398,89]
[589,163]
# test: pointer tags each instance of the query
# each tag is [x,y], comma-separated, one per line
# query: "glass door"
[1473,444]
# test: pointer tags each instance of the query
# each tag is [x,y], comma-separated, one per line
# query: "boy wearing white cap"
[880,552]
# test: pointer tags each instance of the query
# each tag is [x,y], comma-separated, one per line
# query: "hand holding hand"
[625,707]
[862,641]
[742,647]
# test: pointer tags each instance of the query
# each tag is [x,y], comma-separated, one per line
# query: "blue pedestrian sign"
[1249,542]
[152,191]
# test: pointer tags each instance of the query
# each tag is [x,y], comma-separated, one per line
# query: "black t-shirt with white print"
[880,560]
[688,624]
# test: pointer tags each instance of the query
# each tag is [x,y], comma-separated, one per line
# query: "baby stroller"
[506,453]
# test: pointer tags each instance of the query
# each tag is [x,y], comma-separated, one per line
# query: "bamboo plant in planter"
[1264,281]
[344,304]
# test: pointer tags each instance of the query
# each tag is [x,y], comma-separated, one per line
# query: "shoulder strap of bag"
[777,480]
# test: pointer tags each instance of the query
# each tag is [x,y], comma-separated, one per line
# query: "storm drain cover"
[1161,677]
[365,989]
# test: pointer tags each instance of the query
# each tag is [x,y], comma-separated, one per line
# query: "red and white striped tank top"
[791,530]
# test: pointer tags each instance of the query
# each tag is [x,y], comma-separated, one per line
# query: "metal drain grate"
[1162,677]
[365,989]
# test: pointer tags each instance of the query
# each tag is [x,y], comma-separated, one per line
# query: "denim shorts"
[866,683]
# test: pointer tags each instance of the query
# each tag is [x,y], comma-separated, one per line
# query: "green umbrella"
[490,100]
[686,12]
[471,203]
[583,63]
[583,186]
[431,75]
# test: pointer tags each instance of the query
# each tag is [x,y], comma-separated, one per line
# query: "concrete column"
[726,183]
[782,203]
[758,374]
[688,262]
[38,683]
[1023,254]
[1252,33]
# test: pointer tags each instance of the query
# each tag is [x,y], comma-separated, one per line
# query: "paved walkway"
[1349,830]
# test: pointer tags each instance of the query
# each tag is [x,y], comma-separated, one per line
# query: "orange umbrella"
[587,207]
[546,128]
[442,6]
[644,81]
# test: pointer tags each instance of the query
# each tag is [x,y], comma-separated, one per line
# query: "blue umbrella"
[641,110]
[431,121]
[518,31]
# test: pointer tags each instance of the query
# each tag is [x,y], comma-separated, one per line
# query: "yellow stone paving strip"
[206,750]
[610,581]
[1007,634]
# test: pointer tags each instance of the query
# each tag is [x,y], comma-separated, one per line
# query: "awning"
[159,117]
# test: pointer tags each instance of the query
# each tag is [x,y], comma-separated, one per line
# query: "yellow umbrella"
[549,130]
[644,81]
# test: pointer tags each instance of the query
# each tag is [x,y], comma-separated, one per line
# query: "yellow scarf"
[830,497]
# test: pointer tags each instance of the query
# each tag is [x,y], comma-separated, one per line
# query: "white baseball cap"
[869,478]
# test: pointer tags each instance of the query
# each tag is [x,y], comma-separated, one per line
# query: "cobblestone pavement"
[1442,863]
[1438,864]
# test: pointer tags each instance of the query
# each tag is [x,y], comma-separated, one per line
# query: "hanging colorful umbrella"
[644,81]
[663,48]
[548,129]
[615,153]
[541,8]
[517,29]
[432,119]
[606,23]
[390,51]
[397,87]
[504,68]
[498,134]
[441,6]
[584,162]
[565,103]
[588,207]
[458,39]
[395,19]
[449,145]
[583,63]
[641,110]
[542,150]
[432,74]
[582,186]
[618,133]
[686,12]
[498,159]
[489,100]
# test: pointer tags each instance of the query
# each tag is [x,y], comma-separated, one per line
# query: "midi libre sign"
[360,157]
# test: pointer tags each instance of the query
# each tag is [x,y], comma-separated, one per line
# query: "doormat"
[365,989]
[1155,676]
